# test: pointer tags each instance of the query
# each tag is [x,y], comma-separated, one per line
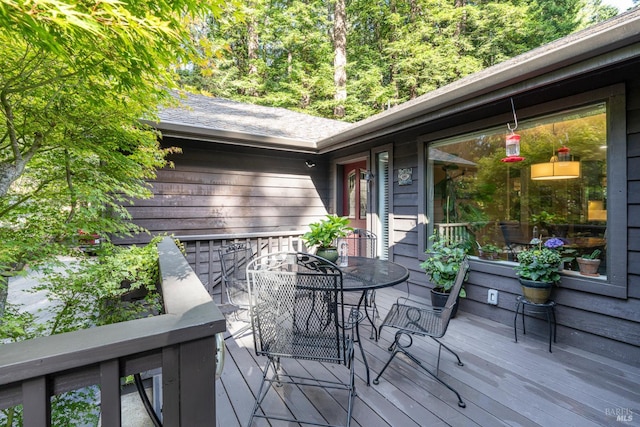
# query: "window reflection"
[558,190]
[363,194]
[351,179]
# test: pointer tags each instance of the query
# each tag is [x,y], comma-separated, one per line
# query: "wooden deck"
[502,382]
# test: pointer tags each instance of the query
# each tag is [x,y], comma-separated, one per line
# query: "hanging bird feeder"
[513,141]
[513,149]
[564,154]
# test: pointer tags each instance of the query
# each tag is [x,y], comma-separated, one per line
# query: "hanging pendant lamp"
[558,167]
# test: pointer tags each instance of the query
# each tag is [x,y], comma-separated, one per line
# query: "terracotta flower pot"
[588,267]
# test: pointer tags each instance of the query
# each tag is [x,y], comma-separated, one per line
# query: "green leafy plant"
[490,247]
[92,291]
[84,293]
[539,263]
[443,262]
[489,251]
[593,255]
[324,232]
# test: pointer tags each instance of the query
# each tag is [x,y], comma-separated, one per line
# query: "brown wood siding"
[405,198]
[633,189]
[215,189]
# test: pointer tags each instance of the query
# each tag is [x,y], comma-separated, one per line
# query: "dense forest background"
[350,59]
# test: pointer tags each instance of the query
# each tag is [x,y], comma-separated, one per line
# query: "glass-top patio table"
[366,274]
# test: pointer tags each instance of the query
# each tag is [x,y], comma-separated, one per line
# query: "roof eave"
[180,130]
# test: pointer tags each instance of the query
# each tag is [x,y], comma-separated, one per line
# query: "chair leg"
[450,351]
[398,348]
[434,375]
[262,391]
[376,380]
[277,379]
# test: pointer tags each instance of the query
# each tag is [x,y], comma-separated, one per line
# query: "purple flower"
[553,243]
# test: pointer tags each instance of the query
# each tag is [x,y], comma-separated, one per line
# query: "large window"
[558,190]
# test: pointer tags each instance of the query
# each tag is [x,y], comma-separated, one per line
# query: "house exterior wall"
[224,189]
[597,322]
[218,189]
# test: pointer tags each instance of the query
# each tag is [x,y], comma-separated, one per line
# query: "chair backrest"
[296,307]
[233,261]
[455,290]
[360,242]
[511,233]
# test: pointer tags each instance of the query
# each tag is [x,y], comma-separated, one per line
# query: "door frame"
[337,177]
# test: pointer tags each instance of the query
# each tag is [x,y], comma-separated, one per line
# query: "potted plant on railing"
[324,233]
[538,269]
[589,263]
[489,251]
[442,265]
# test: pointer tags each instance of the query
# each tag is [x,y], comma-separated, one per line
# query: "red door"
[354,187]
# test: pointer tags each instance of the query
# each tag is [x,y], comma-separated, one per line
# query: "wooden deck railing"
[202,252]
[180,342]
[453,232]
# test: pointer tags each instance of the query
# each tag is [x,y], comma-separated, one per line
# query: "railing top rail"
[190,314]
[452,224]
[233,236]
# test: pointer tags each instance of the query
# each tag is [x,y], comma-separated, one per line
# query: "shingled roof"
[222,119]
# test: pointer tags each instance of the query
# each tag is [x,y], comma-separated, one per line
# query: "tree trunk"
[252,53]
[340,57]
[462,24]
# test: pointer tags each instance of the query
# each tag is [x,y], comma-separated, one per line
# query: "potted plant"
[489,251]
[323,235]
[442,265]
[544,223]
[538,269]
[589,263]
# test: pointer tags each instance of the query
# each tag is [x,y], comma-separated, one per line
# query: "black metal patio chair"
[297,312]
[234,258]
[412,318]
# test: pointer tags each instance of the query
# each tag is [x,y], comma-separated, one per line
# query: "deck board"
[502,382]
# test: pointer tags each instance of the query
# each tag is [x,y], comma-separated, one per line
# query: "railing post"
[110,403]
[36,403]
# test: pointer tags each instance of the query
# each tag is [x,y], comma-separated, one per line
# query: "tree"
[77,78]
[396,50]
[340,56]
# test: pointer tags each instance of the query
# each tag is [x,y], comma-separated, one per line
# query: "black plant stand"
[547,308]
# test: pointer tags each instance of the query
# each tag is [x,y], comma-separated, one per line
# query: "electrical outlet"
[492,296]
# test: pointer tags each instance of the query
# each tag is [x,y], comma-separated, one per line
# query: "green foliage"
[490,247]
[324,232]
[593,255]
[88,292]
[73,408]
[539,263]
[16,325]
[77,407]
[282,53]
[84,293]
[76,80]
[443,263]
